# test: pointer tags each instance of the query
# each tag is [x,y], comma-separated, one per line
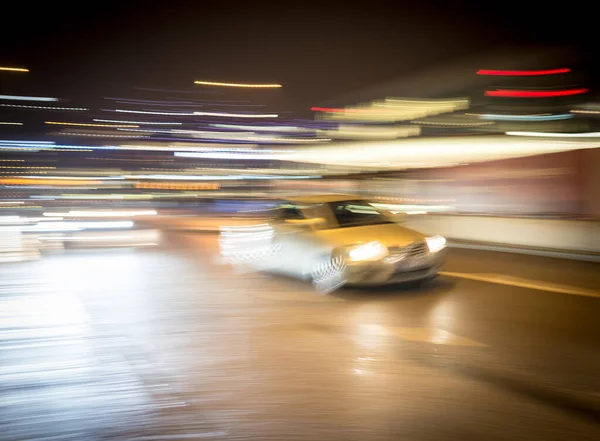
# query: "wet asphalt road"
[166,343]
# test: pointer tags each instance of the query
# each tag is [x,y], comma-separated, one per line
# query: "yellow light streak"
[14,69]
[52,182]
[253,86]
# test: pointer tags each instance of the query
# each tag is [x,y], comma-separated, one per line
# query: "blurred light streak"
[274,128]
[224,135]
[13,69]
[331,109]
[217,104]
[230,155]
[27,98]
[152,102]
[45,181]
[83,239]
[139,122]
[183,177]
[113,213]
[586,111]
[556,135]
[238,115]
[63,123]
[10,123]
[152,106]
[373,132]
[148,130]
[78,226]
[216,177]
[28,167]
[22,106]
[429,152]
[395,109]
[253,86]
[199,147]
[130,159]
[523,73]
[248,136]
[525,117]
[534,93]
[177,186]
[449,124]
[10,141]
[94,196]
[145,112]
[429,102]
[97,135]
[105,178]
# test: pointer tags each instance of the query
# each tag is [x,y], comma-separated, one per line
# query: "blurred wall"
[560,185]
[591,182]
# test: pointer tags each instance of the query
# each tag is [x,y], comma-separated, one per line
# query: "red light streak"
[523,73]
[534,93]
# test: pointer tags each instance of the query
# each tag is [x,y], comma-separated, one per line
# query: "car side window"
[291,212]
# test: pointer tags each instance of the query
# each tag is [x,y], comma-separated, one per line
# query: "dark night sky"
[317,50]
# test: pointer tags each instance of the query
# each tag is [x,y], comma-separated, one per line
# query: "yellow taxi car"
[334,240]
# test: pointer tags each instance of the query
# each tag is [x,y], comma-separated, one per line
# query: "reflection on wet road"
[161,344]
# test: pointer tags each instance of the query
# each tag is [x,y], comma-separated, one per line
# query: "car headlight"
[435,243]
[368,251]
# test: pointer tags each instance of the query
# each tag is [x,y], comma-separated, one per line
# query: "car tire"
[329,274]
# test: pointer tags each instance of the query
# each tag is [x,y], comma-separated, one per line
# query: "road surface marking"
[524,283]
[420,334]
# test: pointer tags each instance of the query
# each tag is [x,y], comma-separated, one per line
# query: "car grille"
[414,250]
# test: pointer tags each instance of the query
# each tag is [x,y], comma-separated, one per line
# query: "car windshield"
[357,213]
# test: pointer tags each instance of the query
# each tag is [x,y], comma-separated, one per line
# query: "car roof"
[322,198]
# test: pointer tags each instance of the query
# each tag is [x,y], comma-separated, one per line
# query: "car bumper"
[385,273]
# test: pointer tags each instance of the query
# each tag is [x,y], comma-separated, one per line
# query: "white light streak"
[67,123]
[592,112]
[144,112]
[262,128]
[148,130]
[237,115]
[10,123]
[230,155]
[556,135]
[27,98]
[140,122]
[99,178]
[114,213]
[78,226]
[103,136]
[22,106]
[526,117]
[10,141]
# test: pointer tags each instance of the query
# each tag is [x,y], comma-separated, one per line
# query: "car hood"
[391,235]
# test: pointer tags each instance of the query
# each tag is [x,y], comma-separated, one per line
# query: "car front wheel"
[329,274]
